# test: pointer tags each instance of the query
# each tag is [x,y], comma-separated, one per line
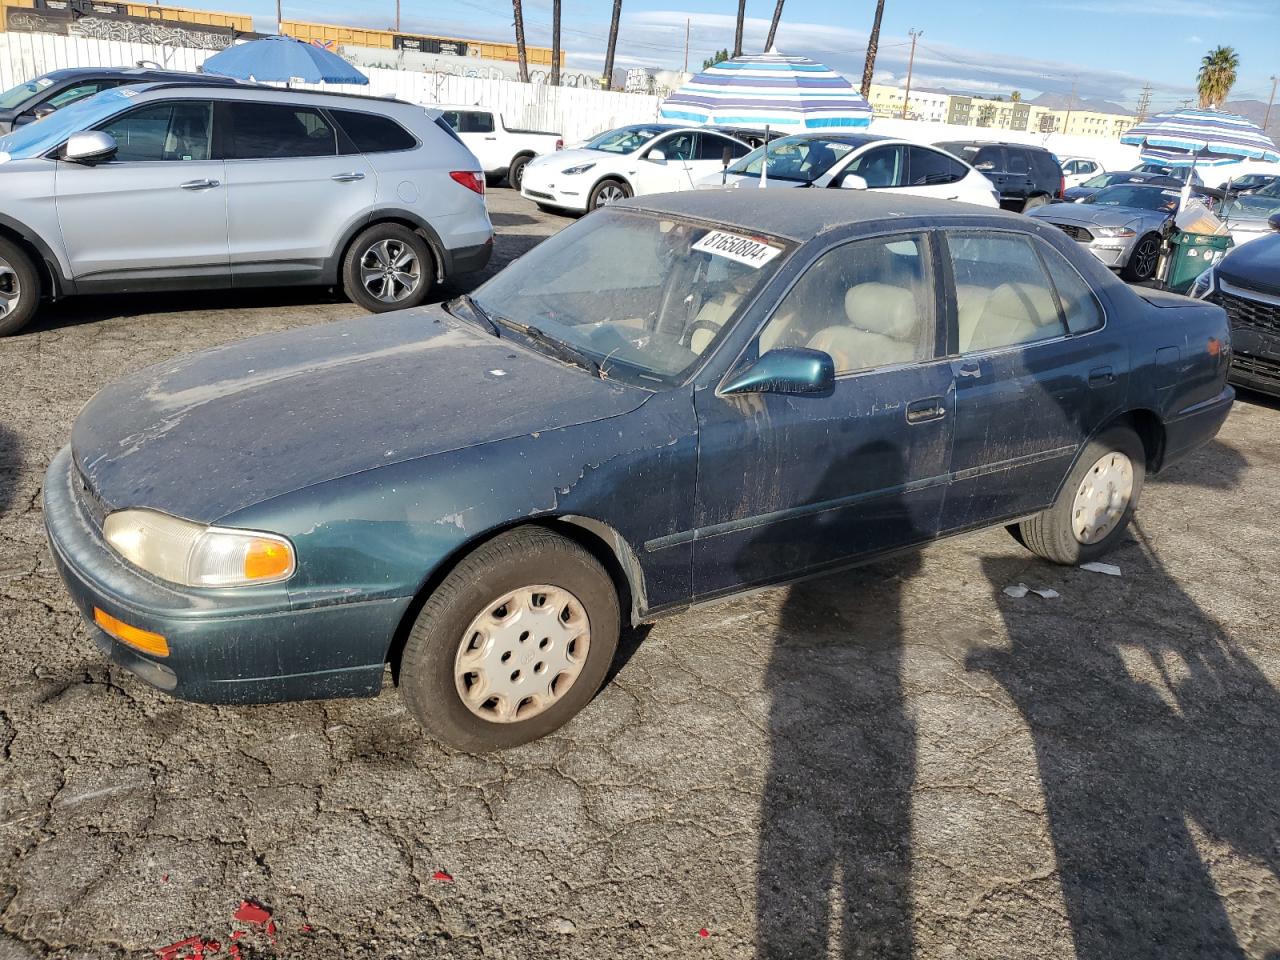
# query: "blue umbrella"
[281,59]
[1191,138]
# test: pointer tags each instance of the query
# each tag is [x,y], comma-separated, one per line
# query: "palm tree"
[613,45]
[1016,96]
[1217,76]
[737,35]
[520,51]
[873,44]
[773,27]
[555,43]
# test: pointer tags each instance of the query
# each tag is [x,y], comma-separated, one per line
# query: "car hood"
[1092,215]
[563,159]
[1254,266]
[214,432]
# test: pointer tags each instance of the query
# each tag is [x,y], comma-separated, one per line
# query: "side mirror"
[42,111]
[1274,221]
[792,370]
[851,181]
[91,146]
[656,156]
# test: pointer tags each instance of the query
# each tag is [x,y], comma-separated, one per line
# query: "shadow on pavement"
[10,461]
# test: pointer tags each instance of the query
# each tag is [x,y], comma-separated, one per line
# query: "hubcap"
[10,289]
[1102,498]
[522,653]
[390,270]
[609,193]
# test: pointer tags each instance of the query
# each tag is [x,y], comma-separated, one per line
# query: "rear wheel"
[514,642]
[515,174]
[1095,504]
[388,267]
[19,288]
[607,192]
[1143,260]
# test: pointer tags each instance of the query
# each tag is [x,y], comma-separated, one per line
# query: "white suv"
[180,186]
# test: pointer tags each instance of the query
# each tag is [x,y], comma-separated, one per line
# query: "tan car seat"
[883,328]
[1012,313]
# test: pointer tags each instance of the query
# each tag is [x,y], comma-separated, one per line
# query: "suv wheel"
[512,644]
[389,267]
[19,288]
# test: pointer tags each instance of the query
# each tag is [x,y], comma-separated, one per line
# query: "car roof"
[142,74]
[1001,143]
[801,215]
[242,87]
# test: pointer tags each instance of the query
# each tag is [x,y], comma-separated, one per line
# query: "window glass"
[1018,162]
[1003,296]
[372,133]
[78,92]
[879,166]
[274,130]
[932,167]
[802,158]
[1079,305]
[989,158]
[869,303]
[678,146]
[163,131]
[711,147]
[474,121]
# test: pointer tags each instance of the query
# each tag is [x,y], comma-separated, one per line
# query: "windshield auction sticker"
[733,247]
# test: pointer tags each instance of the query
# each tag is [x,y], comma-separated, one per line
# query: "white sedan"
[860,160]
[630,161]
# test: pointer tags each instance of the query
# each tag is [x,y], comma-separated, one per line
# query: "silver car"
[1124,226]
[181,186]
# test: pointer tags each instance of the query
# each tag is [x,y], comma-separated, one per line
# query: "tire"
[362,264]
[516,172]
[606,192]
[1143,260]
[1052,534]
[1039,200]
[19,288]
[452,624]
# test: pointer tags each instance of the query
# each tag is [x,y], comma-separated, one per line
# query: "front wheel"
[1095,504]
[607,192]
[1143,260]
[515,641]
[388,267]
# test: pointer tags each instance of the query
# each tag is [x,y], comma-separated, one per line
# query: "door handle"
[491,138]
[1101,377]
[200,184]
[348,177]
[923,411]
[968,370]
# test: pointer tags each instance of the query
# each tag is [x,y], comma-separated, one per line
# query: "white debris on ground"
[1096,566]
[1020,590]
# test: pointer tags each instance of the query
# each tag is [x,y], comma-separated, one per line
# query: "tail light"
[559,143]
[1062,186]
[469,179]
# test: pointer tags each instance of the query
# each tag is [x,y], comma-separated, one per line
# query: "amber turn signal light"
[144,640]
[267,560]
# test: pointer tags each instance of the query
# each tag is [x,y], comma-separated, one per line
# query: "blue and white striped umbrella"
[787,94]
[1177,139]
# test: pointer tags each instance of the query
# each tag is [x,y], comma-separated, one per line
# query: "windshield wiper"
[477,311]
[563,351]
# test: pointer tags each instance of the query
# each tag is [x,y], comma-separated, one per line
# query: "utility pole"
[397,16]
[773,27]
[1144,102]
[911,62]
[687,24]
[279,19]
[873,44]
[1267,119]
[555,43]
[737,33]
[613,44]
[521,55]
[1071,105]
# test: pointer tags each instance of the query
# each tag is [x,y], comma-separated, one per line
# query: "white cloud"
[1195,39]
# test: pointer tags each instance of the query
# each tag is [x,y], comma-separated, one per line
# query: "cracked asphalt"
[901,761]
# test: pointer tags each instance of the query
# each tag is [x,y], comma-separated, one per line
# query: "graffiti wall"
[120,29]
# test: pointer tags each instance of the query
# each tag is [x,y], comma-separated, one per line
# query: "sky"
[1107,48]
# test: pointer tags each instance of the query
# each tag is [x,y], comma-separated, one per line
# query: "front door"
[293,189]
[790,484]
[157,210]
[669,172]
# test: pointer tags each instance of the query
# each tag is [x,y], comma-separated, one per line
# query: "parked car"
[636,160]
[859,160]
[1248,215]
[1024,176]
[1252,182]
[502,151]
[748,135]
[1093,185]
[684,397]
[1076,170]
[179,186]
[1181,174]
[48,92]
[1246,283]
[1124,226]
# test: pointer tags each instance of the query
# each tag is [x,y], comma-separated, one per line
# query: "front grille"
[1257,367]
[538,193]
[1243,312]
[94,506]
[1074,232]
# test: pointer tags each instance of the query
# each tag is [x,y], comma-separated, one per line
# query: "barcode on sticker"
[731,246]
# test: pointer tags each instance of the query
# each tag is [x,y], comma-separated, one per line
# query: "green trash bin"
[1192,254]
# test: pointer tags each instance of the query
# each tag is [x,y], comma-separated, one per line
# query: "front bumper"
[550,187]
[239,645]
[1255,336]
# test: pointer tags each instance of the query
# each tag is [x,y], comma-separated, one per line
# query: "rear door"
[709,154]
[933,173]
[1019,176]
[290,193]
[991,162]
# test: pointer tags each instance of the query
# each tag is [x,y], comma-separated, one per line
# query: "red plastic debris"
[164,878]
[250,911]
[306,928]
[271,930]
[442,877]
[704,932]
[192,948]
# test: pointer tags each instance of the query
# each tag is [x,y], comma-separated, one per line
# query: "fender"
[63,284]
[332,270]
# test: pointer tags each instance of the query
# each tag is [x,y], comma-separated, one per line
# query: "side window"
[1072,166]
[264,131]
[1003,295]
[163,131]
[711,147]
[475,121]
[989,158]
[869,303]
[880,167]
[678,146]
[927,168]
[78,92]
[1080,306]
[452,118]
[1018,164]
[373,134]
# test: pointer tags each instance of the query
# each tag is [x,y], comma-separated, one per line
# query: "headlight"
[580,168]
[1122,232]
[195,555]
[1203,285]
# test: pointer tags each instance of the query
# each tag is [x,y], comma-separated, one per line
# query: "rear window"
[372,133]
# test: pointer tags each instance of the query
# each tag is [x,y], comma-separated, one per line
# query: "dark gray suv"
[1025,176]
